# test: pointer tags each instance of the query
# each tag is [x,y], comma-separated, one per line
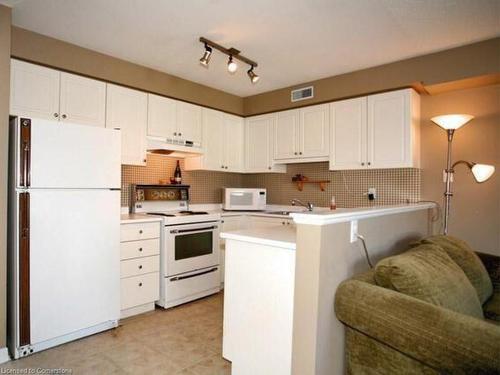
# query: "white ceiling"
[293,41]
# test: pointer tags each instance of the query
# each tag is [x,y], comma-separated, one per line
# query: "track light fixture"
[254,78]
[233,54]
[205,59]
[232,67]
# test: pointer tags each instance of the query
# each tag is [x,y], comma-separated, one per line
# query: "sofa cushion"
[428,273]
[467,260]
[492,307]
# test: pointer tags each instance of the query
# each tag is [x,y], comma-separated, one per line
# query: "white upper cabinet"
[393,129]
[189,126]
[302,135]
[314,135]
[34,91]
[377,131]
[348,134]
[46,93]
[222,143]
[127,110]
[162,122]
[83,100]
[234,146]
[259,140]
[286,135]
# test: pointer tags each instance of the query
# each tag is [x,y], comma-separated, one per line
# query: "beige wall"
[325,257]
[41,49]
[475,208]
[5,20]
[479,59]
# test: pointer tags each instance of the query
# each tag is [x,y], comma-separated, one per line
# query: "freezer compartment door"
[74,260]
[54,155]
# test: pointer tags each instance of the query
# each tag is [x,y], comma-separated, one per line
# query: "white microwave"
[244,199]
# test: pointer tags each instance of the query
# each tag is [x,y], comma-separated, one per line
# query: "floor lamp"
[481,172]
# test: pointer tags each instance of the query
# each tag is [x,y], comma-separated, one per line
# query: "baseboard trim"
[4,355]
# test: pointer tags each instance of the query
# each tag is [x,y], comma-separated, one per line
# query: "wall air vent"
[302,93]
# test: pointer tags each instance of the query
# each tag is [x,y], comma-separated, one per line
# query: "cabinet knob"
[180,134]
[64,116]
[369,163]
[225,167]
[362,163]
[295,153]
[140,249]
[56,115]
[140,231]
[269,168]
[175,133]
[140,284]
[140,266]
[283,223]
[222,166]
[300,153]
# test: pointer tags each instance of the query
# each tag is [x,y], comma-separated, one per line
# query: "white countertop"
[278,236]
[348,214]
[138,218]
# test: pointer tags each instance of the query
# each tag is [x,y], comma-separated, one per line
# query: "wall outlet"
[354,231]
[372,194]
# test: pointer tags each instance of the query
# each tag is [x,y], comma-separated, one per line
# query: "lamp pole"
[449,175]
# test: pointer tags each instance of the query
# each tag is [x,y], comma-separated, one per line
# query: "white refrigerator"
[64,233]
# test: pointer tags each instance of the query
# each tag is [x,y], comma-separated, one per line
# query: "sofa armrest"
[440,338]
[492,265]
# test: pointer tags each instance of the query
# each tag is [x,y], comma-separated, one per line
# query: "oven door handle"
[178,278]
[193,229]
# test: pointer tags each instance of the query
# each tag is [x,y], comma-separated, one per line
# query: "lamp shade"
[482,172]
[452,122]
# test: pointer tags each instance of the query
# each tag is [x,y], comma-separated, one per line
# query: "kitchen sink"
[285,213]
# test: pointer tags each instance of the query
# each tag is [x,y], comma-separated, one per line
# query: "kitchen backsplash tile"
[205,185]
[349,187]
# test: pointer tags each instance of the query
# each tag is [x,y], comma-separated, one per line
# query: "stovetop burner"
[179,213]
[189,212]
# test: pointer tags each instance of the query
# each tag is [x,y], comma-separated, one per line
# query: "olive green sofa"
[435,309]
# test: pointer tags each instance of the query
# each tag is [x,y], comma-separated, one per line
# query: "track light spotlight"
[231,65]
[254,78]
[205,59]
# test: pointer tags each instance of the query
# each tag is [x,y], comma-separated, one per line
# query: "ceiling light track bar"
[230,52]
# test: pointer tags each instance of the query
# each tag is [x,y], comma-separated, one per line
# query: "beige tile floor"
[185,340]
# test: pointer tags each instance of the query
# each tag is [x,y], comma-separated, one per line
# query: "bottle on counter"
[177,173]
[333,204]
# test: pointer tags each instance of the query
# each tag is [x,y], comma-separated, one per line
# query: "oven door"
[189,247]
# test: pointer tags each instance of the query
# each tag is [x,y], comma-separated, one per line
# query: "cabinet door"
[213,134]
[314,132]
[82,100]
[348,134]
[34,91]
[233,143]
[189,123]
[126,110]
[286,135]
[257,143]
[162,122]
[389,130]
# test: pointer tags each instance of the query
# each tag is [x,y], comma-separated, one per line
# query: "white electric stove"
[189,266]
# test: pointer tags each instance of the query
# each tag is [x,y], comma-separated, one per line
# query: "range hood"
[172,147]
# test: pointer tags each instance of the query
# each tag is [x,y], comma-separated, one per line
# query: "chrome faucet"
[307,205]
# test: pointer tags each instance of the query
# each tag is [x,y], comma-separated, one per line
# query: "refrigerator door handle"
[24,269]
[25,153]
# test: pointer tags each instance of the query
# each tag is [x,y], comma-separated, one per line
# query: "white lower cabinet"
[140,266]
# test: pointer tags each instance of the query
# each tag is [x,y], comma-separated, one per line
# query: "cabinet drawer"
[139,231]
[136,249]
[139,266]
[138,290]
